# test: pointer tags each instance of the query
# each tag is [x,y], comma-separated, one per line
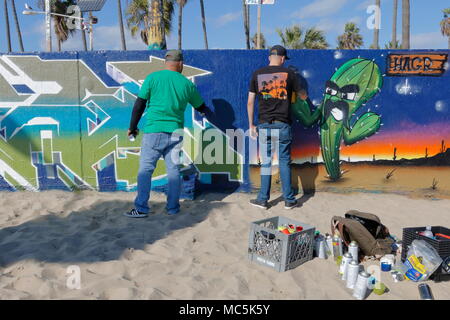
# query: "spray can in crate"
[353,250]
[346,259]
[329,245]
[361,285]
[352,274]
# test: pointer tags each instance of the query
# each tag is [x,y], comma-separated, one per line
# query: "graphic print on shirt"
[273,85]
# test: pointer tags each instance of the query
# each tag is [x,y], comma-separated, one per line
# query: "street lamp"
[87,24]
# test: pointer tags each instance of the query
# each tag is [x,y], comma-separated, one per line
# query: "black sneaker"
[290,205]
[259,203]
[133,213]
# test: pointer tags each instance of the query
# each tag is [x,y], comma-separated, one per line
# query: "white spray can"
[341,247]
[329,243]
[353,250]
[361,286]
[337,247]
[320,247]
[352,274]
[344,265]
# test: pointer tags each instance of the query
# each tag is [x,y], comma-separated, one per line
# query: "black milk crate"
[442,247]
[282,252]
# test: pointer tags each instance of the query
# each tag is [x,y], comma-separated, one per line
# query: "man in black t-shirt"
[274,86]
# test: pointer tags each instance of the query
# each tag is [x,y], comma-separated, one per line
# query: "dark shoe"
[133,213]
[259,203]
[290,205]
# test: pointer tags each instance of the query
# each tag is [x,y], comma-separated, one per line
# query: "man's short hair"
[174,55]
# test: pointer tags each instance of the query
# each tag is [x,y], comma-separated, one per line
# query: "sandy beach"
[198,254]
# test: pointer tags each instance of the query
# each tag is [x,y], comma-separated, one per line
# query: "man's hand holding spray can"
[132,134]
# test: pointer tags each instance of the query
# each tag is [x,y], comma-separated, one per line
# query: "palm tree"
[255,41]
[8,31]
[16,20]
[292,38]
[205,34]
[376,30]
[406,24]
[391,45]
[122,32]
[394,25]
[245,12]
[148,22]
[62,31]
[181,4]
[445,25]
[351,39]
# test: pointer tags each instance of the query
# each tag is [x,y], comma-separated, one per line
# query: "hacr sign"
[420,64]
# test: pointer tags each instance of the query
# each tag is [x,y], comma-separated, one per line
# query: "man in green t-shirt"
[165,94]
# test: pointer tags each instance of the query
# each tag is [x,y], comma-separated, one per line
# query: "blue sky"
[225,25]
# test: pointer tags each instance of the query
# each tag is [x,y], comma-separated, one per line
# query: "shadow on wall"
[97,233]
[19,147]
[304,175]
[223,116]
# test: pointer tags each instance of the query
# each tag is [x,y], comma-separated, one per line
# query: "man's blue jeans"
[155,145]
[275,137]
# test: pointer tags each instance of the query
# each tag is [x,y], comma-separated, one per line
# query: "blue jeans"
[155,145]
[271,137]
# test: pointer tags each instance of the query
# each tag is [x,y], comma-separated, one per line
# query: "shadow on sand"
[97,233]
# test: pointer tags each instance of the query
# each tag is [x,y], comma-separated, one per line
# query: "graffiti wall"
[376,121]
[64,119]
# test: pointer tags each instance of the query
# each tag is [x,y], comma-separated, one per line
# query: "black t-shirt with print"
[274,86]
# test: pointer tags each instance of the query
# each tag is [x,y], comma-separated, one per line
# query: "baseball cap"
[279,51]
[174,55]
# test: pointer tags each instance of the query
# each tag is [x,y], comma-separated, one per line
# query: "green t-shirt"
[167,94]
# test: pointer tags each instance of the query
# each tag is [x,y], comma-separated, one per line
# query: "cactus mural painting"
[350,87]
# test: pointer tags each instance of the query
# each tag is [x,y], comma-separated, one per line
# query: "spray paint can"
[361,287]
[329,247]
[352,274]
[344,265]
[337,247]
[320,247]
[353,249]
[425,292]
[341,247]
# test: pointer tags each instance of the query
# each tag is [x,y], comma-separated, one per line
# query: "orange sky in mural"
[409,144]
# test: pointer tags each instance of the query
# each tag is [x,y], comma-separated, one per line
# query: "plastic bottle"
[428,233]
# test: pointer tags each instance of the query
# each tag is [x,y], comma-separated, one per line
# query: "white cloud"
[430,40]
[365,4]
[329,24]
[320,8]
[227,18]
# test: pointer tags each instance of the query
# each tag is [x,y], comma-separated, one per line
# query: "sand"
[199,254]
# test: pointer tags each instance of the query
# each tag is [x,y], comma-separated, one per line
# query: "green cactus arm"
[367,125]
[302,112]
